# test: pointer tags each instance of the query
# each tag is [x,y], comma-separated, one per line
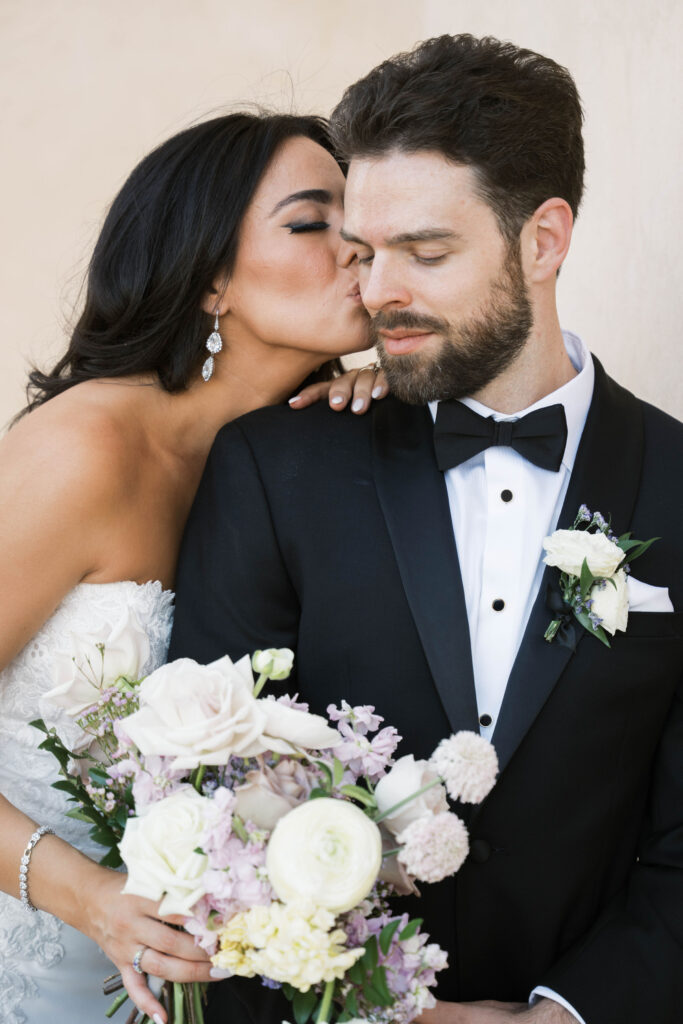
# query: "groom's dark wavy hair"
[511,115]
[172,229]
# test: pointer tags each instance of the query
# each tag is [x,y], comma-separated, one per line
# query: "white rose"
[82,670]
[199,714]
[158,850]
[270,793]
[611,603]
[287,727]
[405,778]
[567,549]
[276,663]
[327,851]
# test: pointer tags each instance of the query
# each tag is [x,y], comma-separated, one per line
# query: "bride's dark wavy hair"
[171,230]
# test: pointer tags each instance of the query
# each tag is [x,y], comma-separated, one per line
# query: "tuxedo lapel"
[413,497]
[606,477]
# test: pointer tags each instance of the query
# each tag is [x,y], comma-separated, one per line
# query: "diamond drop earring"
[214,344]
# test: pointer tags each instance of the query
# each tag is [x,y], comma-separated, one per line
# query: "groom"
[400,553]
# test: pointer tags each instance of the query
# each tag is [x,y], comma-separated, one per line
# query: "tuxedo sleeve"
[629,966]
[233,593]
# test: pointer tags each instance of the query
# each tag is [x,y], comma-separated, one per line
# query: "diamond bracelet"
[25,860]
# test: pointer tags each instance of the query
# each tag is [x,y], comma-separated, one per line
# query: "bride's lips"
[354,294]
[404,340]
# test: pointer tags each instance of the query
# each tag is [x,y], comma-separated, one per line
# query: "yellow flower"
[295,943]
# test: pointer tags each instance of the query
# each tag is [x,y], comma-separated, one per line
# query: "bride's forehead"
[299,165]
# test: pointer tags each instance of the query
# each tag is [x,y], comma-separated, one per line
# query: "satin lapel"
[606,478]
[413,497]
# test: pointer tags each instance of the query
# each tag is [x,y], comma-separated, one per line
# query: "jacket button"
[480,851]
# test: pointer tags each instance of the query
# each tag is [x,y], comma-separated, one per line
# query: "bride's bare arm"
[60,490]
[87,896]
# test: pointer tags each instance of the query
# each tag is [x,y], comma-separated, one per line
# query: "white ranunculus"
[567,549]
[405,778]
[158,850]
[327,851]
[610,603]
[199,714]
[92,662]
[276,662]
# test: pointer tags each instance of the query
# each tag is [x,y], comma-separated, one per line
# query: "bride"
[226,232]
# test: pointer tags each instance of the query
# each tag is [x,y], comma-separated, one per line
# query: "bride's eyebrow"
[316,195]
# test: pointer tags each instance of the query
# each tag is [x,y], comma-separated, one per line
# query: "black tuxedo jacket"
[332,535]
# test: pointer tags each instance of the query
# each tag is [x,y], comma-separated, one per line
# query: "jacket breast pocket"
[652,624]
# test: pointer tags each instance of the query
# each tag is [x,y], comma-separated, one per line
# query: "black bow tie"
[460,433]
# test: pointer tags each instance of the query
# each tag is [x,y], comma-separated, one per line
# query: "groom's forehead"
[384,193]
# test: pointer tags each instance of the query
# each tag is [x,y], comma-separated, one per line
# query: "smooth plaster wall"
[87,87]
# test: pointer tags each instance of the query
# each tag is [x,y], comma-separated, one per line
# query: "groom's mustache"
[402,319]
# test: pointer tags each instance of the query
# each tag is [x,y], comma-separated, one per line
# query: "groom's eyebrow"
[315,195]
[425,235]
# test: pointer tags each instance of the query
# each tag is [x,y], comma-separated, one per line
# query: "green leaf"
[328,773]
[100,777]
[387,934]
[356,973]
[82,814]
[303,1004]
[338,773]
[627,545]
[288,991]
[379,983]
[373,996]
[587,624]
[642,549]
[370,957]
[316,793]
[121,816]
[38,723]
[199,850]
[410,929]
[361,795]
[586,580]
[112,859]
[69,787]
[351,1003]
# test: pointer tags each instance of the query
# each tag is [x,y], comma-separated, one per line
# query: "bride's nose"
[345,254]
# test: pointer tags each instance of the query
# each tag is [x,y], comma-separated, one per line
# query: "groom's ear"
[215,299]
[545,239]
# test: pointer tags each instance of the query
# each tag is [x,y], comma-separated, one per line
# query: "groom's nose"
[382,285]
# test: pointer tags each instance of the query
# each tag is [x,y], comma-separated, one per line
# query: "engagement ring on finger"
[137,959]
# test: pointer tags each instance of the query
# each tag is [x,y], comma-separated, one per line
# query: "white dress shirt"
[502,507]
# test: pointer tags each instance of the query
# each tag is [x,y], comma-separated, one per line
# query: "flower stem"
[119,1001]
[260,683]
[326,1003]
[178,1003]
[199,774]
[407,800]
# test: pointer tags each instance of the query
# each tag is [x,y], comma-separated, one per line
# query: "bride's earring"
[214,344]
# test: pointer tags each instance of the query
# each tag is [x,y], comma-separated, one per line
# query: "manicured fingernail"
[377,392]
[358,404]
[158,1019]
[295,399]
[337,400]
[220,972]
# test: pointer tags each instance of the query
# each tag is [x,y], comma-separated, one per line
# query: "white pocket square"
[643,597]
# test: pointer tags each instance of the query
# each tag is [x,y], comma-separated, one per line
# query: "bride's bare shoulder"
[87,436]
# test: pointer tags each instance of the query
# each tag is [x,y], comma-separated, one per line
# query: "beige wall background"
[87,87]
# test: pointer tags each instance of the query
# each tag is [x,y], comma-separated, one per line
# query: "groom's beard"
[471,354]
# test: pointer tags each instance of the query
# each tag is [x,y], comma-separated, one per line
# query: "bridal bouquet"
[277,833]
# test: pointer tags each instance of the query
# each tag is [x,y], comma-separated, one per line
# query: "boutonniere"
[593,564]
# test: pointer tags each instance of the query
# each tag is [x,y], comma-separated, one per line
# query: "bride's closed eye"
[300,226]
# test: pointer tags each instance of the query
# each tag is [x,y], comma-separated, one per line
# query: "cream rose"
[158,850]
[327,851]
[610,603]
[567,549]
[405,778]
[203,714]
[199,714]
[92,662]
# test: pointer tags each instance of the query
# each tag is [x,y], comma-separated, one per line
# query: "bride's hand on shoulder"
[122,925]
[357,386]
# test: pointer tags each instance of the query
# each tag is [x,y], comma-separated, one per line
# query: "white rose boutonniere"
[593,564]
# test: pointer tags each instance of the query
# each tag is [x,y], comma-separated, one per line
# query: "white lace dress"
[50,972]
